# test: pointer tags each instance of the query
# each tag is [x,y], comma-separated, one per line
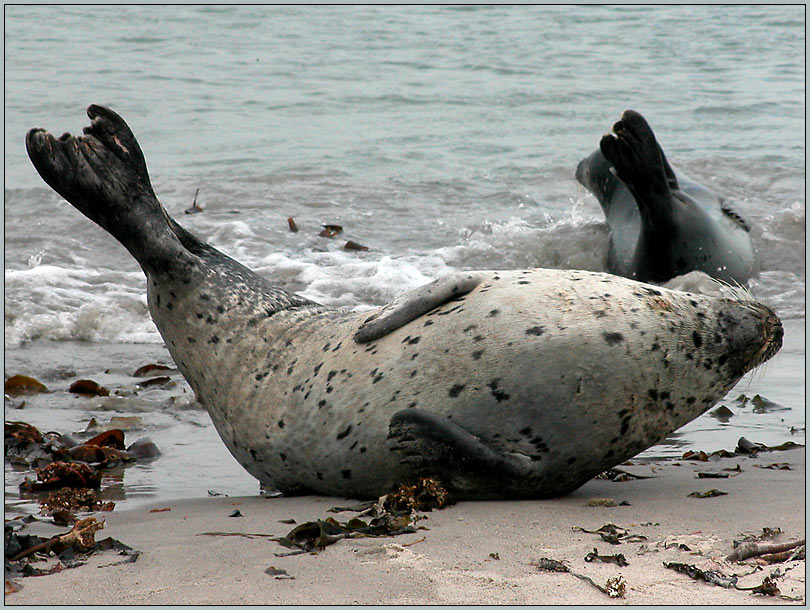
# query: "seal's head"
[748,334]
[595,174]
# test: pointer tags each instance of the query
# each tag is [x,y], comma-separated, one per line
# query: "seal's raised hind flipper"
[434,446]
[640,163]
[103,174]
[411,305]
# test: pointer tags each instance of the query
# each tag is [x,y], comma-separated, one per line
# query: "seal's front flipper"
[434,446]
[411,305]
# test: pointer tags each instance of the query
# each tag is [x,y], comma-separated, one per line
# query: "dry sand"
[451,562]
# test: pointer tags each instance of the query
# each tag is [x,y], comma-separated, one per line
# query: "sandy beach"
[470,553]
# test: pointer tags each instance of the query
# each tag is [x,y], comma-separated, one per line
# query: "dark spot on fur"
[456,390]
[470,327]
[326,347]
[653,393]
[478,338]
[321,403]
[205,297]
[570,460]
[362,449]
[283,456]
[330,375]
[523,282]
[377,378]
[493,312]
[599,313]
[428,323]
[477,354]
[347,474]
[414,341]
[697,338]
[499,395]
[281,423]
[535,330]
[345,433]
[214,339]
[317,369]
[612,338]
[527,431]
[220,309]
[691,400]
[329,389]
[192,340]
[413,373]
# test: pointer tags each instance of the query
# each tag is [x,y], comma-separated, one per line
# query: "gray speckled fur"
[546,376]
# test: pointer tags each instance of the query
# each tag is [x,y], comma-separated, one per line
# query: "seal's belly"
[530,362]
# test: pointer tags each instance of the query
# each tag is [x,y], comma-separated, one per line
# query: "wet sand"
[452,562]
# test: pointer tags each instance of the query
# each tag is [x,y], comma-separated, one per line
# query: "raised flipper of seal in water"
[489,379]
[662,223]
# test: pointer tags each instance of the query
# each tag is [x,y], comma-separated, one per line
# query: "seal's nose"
[581,172]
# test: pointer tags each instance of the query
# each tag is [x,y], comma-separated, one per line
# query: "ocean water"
[440,138]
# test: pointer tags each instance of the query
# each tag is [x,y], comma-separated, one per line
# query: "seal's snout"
[755,335]
[582,172]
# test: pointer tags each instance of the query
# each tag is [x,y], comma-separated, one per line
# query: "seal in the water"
[662,224]
[502,384]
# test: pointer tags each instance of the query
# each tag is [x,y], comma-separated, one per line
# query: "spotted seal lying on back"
[503,384]
[662,224]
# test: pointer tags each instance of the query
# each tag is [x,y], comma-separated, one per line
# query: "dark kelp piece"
[73,499]
[618,475]
[709,576]
[151,369]
[194,209]
[316,535]
[81,537]
[711,493]
[614,587]
[278,573]
[613,534]
[760,404]
[88,387]
[22,385]
[292,225]
[767,587]
[353,245]
[618,558]
[154,381]
[110,438]
[426,495]
[63,474]
[330,231]
[21,431]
